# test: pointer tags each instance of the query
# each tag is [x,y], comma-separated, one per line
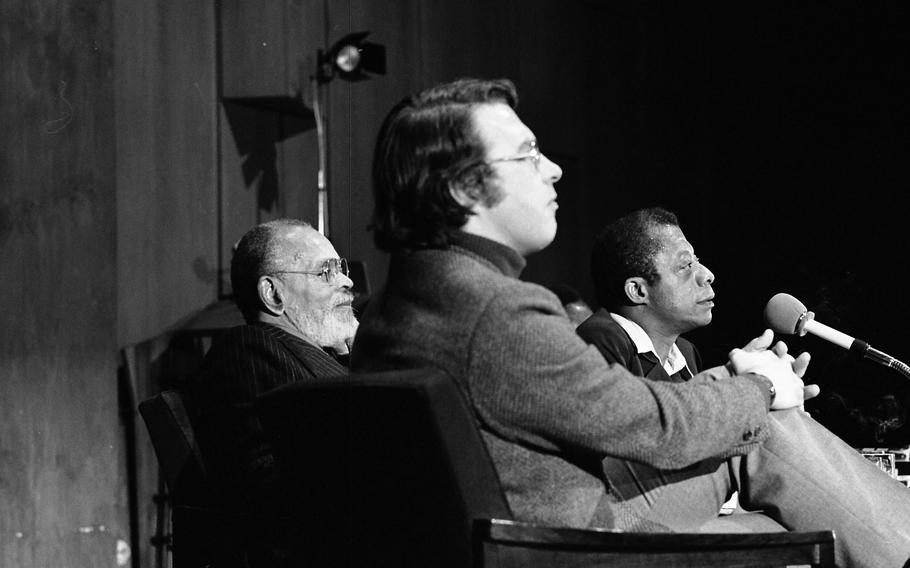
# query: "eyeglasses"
[330,270]
[534,154]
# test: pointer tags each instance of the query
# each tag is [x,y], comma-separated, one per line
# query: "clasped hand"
[783,370]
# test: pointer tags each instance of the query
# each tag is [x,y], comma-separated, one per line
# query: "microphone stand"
[867,351]
[806,322]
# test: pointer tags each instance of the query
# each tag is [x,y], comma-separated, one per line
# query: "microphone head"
[783,313]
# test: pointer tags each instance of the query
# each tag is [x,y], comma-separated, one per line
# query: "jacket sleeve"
[535,381]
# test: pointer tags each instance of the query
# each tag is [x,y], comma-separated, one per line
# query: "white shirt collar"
[675,360]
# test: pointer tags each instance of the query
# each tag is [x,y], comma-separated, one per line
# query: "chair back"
[387,469]
[390,470]
[204,532]
[171,432]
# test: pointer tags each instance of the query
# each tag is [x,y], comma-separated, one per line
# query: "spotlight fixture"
[351,58]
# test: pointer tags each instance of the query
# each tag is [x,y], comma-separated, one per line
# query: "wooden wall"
[62,473]
[167,113]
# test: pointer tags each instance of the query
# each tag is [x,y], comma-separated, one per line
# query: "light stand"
[350,58]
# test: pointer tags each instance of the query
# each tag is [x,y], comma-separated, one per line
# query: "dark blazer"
[243,363]
[602,331]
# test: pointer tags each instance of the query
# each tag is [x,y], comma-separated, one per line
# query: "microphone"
[785,314]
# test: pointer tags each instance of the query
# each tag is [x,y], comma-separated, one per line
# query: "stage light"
[352,59]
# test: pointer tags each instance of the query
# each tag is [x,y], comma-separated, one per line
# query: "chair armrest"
[620,548]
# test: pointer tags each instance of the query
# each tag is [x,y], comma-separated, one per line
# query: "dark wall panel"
[167,200]
[61,474]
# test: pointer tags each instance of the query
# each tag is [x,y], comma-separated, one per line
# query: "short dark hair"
[626,248]
[428,144]
[256,255]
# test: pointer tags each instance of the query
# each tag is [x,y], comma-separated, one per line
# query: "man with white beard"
[295,295]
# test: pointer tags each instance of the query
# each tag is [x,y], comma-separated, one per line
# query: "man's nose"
[552,169]
[707,277]
[343,281]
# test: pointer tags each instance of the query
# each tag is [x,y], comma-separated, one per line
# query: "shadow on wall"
[258,124]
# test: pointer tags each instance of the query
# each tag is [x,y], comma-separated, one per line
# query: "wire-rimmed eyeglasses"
[534,154]
[330,270]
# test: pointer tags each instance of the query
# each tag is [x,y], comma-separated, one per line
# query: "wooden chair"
[204,531]
[389,469]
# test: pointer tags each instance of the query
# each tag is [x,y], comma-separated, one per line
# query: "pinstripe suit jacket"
[243,363]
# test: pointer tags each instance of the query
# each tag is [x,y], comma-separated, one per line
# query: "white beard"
[332,327]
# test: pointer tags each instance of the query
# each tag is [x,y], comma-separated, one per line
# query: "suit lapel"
[317,362]
[651,367]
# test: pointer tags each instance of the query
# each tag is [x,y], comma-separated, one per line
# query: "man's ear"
[464,194]
[636,290]
[270,295]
